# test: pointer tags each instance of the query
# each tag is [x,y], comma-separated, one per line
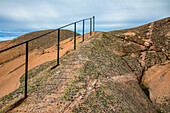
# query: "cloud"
[6,31]
[28,12]
[6,38]
[46,14]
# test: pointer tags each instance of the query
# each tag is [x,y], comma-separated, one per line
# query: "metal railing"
[58,46]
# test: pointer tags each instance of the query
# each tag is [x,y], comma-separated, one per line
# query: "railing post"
[93,23]
[83,30]
[26,69]
[90,26]
[74,36]
[58,47]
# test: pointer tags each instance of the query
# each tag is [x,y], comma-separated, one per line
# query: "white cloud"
[41,14]
[6,38]
[29,12]
[6,31]
[112,25]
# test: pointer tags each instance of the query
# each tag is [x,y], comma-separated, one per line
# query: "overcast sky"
[22,16]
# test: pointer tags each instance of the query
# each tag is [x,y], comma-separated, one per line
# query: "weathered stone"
[147,44]
[157,79]
[125,96]
[152,48]
[103,74]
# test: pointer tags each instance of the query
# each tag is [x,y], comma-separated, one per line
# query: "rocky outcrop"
[107,73]
[90,79]
[149,45]
[156,79]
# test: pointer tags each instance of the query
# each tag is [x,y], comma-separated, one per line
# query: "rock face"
[150,47]
[105,72]
[157,79]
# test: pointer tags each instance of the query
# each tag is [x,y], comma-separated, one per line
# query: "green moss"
[159,111]
[145,89]
[69,92]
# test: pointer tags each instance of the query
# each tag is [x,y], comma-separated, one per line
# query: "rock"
[157,79]
[81,97]
[110,70]
[152,58]
[130,34]
[152,48]
[119,97]
[132,47]
[147,44]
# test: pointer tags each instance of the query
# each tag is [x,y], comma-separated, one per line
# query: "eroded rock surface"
[157,79]
[104,74]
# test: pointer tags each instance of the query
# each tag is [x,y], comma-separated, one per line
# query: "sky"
[18,17]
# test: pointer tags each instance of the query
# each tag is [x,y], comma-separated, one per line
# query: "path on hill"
[13,70]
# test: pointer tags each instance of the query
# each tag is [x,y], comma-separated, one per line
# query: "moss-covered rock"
[116,98]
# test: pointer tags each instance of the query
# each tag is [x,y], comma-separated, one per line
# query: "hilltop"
[44,42]
[117,71]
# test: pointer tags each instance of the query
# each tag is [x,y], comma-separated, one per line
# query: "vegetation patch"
[69,92]
[145,89]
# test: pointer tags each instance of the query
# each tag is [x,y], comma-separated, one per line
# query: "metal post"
[90,25]
[58,47]
[26,69]
[83,30]
[74,36]
[93,23]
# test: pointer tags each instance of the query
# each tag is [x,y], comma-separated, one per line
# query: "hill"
[117,71]
[41,52]
[41,43]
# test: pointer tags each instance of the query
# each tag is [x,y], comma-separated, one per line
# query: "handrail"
[43,35]
[58,46]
